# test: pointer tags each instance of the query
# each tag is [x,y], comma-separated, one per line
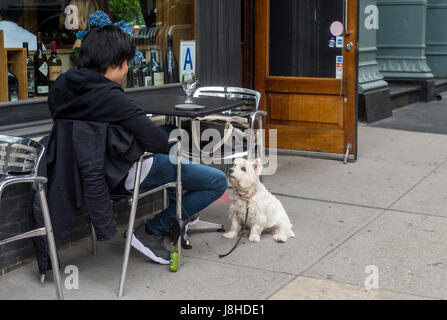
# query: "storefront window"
[158,26]
[306,38]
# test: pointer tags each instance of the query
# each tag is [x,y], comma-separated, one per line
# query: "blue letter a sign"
[188,60]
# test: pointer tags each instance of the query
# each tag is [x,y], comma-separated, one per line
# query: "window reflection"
[302,41]
[156,26]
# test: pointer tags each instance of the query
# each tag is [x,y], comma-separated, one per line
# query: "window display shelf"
[3,71]
[16,59]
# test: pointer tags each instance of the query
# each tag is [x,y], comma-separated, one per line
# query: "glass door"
[306,70]
[301,41]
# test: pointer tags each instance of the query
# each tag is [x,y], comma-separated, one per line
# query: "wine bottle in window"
[13,86]
[30,72]
[129,78]
[146,73]
[153,35]
[40,68]
[171,64]
[54,64]
[136,75]
[157,73]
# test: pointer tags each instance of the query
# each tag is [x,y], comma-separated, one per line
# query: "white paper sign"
[14,36]
[187,63]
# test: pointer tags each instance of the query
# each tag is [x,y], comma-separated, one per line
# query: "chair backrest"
[252,97]
[19,156]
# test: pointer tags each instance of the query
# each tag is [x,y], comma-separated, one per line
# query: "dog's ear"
[257,165]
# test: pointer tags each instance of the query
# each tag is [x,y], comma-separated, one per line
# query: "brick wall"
[14,219]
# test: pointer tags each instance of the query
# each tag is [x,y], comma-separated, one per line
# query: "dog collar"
[247,199]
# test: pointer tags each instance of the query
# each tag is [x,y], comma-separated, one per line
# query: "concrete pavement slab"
[429,196]
[319,227]
[390,163]
[305,288]
[408,250]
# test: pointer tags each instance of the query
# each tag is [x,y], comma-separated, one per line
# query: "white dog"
[265,212]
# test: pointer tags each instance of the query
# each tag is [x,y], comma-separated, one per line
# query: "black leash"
[241,233]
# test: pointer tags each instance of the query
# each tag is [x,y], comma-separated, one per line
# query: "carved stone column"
[436,51]
[374,94]
[370,77]
[401,39]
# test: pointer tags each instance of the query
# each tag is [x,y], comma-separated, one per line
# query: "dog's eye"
[244,169]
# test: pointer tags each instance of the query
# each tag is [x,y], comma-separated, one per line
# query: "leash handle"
[241,233]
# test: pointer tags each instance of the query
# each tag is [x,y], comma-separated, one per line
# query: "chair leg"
[165,199]
[260,138]
[127,246]
[207,226]
[51,242]
[133,212]
[93,238]
[179,197]
[261,144]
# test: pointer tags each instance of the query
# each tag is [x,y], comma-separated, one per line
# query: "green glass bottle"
[41,68]
[54,65]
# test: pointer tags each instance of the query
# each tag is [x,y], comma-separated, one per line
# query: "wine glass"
[189,84]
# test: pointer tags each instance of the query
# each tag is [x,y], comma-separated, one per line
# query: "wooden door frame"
[247,45]
[352,119]
[350,116]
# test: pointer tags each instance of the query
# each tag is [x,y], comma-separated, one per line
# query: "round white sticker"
[336,28]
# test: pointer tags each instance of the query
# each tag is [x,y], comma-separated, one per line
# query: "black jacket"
[98,134]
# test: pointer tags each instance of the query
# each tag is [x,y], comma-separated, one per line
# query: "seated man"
[92,92]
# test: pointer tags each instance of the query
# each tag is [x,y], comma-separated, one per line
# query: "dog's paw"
[254,238]
[229,235]
[280,237]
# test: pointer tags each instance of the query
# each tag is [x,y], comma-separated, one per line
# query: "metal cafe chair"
[253,115]
[250,110]
[19,160]
[133,202]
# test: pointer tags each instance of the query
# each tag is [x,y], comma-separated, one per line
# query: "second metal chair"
[250,111]
[19,160]
[133,202]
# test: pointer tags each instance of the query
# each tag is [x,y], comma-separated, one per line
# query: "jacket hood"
[81,79]
[84,94]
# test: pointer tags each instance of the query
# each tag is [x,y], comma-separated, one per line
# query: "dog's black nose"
[230,171]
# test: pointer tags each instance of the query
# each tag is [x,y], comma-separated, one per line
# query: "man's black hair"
[105,46]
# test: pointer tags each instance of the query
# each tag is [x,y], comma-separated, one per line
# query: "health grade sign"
[187,63]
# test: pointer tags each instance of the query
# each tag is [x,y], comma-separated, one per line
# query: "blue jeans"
[202,185]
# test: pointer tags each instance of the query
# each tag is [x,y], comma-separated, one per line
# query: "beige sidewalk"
[386,210]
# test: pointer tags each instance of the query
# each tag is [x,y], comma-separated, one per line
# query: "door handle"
[347,33]
[349,46]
